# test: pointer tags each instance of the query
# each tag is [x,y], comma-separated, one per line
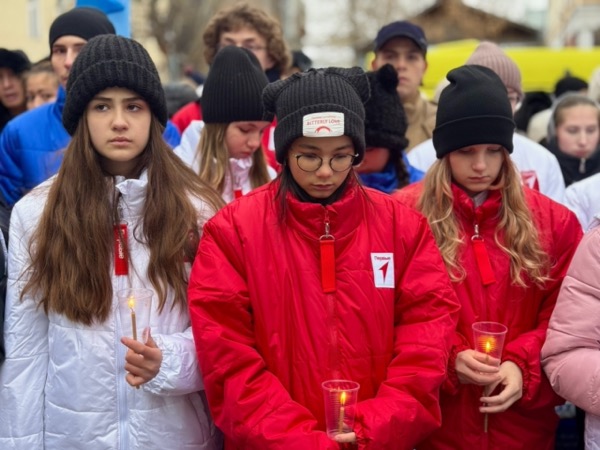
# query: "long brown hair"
[71,249]
[520,238]
[214,159]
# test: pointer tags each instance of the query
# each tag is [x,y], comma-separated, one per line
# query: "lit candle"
[131,302]
[342,411]
[490,343]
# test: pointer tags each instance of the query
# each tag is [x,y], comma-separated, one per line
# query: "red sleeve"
[248,402]
[406,407]
[525,351]
[186,114]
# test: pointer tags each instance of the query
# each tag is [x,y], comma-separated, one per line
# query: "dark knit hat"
[319,103]
[385,121]
[569,83]
[112,61]
[83,22]
[473,109]
[233,88]
[15,60]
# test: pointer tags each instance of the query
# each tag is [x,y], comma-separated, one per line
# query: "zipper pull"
[327,252]
[482,258]
[582,165]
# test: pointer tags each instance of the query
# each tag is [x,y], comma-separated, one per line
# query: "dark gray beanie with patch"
[108,61]
[329,99]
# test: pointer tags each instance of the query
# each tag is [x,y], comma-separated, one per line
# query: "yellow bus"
[541,67]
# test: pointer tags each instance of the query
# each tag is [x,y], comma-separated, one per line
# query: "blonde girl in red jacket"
[313,277]
[507,249]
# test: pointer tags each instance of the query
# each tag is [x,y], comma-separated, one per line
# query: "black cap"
[473,109]
[83,22]
[401,28]
[15,60]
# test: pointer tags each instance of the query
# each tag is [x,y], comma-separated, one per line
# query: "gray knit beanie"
[319,103]
[112,61]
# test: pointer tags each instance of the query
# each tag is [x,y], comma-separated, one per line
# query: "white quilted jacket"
[63,384]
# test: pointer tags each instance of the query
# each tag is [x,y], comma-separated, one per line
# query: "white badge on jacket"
[383,269]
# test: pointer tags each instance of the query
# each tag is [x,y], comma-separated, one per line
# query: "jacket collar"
[344,215]
[133,195]
[465,207]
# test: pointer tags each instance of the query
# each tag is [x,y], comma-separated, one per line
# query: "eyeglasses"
[254,48]
[312,163]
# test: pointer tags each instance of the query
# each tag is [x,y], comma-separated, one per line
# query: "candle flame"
[131,301]
[488,346]
[343,398]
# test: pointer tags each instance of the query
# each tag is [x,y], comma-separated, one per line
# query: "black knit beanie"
[473,109]
[112,61]
[385,120]
[233,88]
[319,103]
[83,22]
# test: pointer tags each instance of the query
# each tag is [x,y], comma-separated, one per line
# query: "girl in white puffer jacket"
[123,212]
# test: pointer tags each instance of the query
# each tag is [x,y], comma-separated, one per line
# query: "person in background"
[123,212]
[384,166]
[507,249]
[224,148]
[13,64]
[570,355]
[313,277]
[537,129]
[594,85]
[403,45]
[242,25]
[539,169]
[41,84]
[574,136]
[177,95]
[300,63]
[583,198]
[33,143]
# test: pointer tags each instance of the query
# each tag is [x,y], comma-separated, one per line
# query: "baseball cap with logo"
[401,28]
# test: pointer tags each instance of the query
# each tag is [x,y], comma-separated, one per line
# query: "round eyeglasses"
[312,163]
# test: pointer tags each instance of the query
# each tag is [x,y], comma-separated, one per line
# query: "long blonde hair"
[521,241]
[72,247]
[214,159]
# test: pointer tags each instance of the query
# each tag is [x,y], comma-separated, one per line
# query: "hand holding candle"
[489,339]
[135,306]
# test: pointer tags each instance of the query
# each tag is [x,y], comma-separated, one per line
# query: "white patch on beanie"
[323,124]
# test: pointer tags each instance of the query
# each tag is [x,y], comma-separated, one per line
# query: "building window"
[33,16]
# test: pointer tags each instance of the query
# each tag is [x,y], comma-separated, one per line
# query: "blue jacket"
[32,146]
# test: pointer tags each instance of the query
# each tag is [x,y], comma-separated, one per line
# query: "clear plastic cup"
[489,338]
[135,306]
[340,405]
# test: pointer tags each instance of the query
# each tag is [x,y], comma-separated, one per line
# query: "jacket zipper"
[326,242]
[123,409]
